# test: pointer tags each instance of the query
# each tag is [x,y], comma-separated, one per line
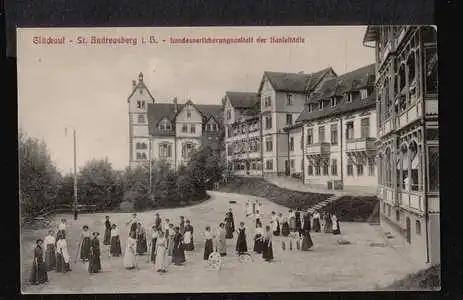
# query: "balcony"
[361,145]
[318,149]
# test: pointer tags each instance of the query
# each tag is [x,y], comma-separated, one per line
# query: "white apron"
[187,237]
[129,255]
[274,223]
[62,247]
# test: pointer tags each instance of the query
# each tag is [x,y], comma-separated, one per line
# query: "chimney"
[140,77]
[175,105]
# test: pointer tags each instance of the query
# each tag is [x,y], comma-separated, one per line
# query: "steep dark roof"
[140,84]
[158,111]
[294,82]
[349,82]
[242,99]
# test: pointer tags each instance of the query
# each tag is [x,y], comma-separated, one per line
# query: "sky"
[85,87]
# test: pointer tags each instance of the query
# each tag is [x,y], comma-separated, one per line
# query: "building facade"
[169,131]
[408,134]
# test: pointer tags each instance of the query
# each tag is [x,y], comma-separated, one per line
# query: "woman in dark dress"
[258,239]
[316,221]
[94,263]
[115,248]
[229,224]
[306,226]
[208,246]
[39,268]
[188,237]
[241,245]
[328,226]
[178,253]
[142,245]
[305,233]
[154,238]
[85,243]
[285,227]
[107,232]
[267,253]
[182,225]
[298,220]
[50,252]
[335,220]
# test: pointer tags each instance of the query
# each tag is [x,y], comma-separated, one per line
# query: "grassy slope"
[428,279]
[260,188]
[357,209]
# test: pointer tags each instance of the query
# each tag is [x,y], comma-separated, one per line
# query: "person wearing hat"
[39,268]
[94,263]
[50,250]
[85,244]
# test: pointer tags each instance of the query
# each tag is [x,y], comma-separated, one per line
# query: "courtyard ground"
[357,266]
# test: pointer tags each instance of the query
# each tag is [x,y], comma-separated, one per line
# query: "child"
[208,246]
[85,244]
[241,245]
[50,251]
[115,248]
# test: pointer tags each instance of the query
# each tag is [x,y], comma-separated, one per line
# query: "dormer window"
[164,126]
[141,104]
[309,107]
[320,105]
[208,127]
[333,101]
[349,97]
[363,94]
[289,99]
[214,127]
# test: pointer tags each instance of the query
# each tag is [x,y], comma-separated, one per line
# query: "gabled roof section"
[242,99]
[316,77]
[140,84]
[209,111]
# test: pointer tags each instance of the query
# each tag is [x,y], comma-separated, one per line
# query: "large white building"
[332,143]
[169,131]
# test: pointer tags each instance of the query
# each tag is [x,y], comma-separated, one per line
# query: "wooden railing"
[59,209]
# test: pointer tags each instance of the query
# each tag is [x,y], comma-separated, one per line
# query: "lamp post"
[75,211]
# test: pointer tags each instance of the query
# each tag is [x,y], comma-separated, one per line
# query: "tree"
[206,167]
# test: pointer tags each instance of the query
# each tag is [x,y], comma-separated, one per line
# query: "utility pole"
[75,177]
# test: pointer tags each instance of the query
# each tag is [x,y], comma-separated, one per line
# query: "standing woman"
[298,224]
[336,229]
[170,240]
[182,225]
[107,232]
[241,245]
[306,223]
[258,221]
[130,250]
[188,237]
[275,224]
[62,255]
[267,253]
[94,264]
[229,224]
[154,237]
[292,220]
[222,241]
[50,251]
[285,226]
[258,239]
[161,252]
[142,245]
[39,268]
[316,221]
[306,238]
[178,253]
[115,248]
[328,227]
[85,244]
[208,246]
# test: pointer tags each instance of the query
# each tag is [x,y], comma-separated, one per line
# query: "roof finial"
[140,77]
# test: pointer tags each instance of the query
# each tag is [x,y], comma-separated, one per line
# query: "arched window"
[402,79]
[429,34]
[411,67]
[402,169]
[414,166]
[418,227]
[389,163]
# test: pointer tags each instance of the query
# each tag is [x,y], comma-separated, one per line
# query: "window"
[350,169]
[333,101]
[165,150]
[310,136]
[214,127]
[334,134]
[310,169]
[187,149]
[229,131]
[320,105]
[292,163]
[141,104]
[267,101]
[141,119]
[193,128]
[363,94]
[269,164]
[268,122]
[371,167]
[433,154]
[317,170]
[229,150]
[397,215]
[359,169]
[349,97]
[208,127]
[334,167]
[388,210]
[350,130]
[309,107]
[289,119]
[289,99]
[291,144]
[325,169]
[418,227]
[188,113]
[431,71]
[365,128]
[141,146]
[269,145]
[164,126]
[384,208]
[141,155]
[321,134]
[184,128]
[228,114]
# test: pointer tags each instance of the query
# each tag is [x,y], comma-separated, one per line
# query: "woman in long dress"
[188,237]
[85,244]
[50,251]
[298,222]
[130,251]
[115,248]
[258,220]
[316,222]
[142,245]
[267,251]
[222,241]
[241,245]
[328,226]
[39,267]
[154,237]
[62,255]
[258,239]
[107,232]
[170,240]
[285,227]
[229,224]
[275,224]
[182,225]
[306,223]
[161,261]
[94,263]
[208,245]
[292,220]
[306,238]
[178,253]
[336,229]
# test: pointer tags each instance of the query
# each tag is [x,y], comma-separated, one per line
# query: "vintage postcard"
[228,159]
